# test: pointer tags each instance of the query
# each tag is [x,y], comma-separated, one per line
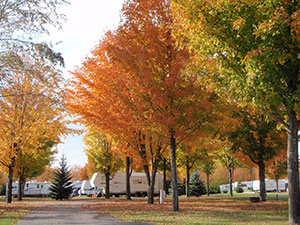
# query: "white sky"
[87,21]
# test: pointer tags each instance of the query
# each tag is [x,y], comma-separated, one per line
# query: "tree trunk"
[187,179]
[207,184]
[175,202]
[165,175]
[293,171]
[20,186]
[128,192]
[277,187]
[262,181]
[9,186]
[230,181]
[107,179]
[154,171]
[151,191]
[143,156]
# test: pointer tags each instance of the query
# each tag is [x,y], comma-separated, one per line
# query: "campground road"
[67,212]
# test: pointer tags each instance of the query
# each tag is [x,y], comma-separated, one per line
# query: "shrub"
[225,191]
[239,188]
[3,189]
[214,189]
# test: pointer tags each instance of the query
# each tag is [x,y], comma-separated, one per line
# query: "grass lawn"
[201,210]
[11,213]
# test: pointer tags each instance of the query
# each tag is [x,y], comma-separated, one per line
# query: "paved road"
[67,212]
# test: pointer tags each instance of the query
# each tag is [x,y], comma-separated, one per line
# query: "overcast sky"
[87,21]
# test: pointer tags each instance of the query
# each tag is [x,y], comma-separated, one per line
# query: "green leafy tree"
[61,187]
[230,162]
[250,50]
[207,165]
[197,187]
[258,139]
[99,150]
[34,164]
[277,168]
[186,159]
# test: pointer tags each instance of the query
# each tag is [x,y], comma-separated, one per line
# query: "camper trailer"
[138,184]
[76,187]
[270,185]
[33,189]
[38,189]
[86,188]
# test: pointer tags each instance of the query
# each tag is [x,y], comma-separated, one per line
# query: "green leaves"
[99,151]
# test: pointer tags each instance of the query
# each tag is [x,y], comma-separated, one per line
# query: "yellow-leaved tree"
[99,151]
[32,108]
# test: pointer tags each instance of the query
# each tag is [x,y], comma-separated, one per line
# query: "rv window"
[26,185]
[137,182]
[38,186]
[41,186]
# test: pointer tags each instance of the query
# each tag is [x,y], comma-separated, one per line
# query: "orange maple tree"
[135,87]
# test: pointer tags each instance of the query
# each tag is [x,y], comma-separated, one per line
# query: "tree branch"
[279,119]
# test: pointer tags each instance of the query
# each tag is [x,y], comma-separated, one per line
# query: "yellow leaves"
[32,110]
[237,24]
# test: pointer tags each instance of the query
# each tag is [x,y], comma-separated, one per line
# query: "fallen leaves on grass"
[10,213]
[201,204]
[202,210]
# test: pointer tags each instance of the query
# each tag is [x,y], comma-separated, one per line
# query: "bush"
[239,188]
[214,189]
[3,189]
[168,186]
[225,191]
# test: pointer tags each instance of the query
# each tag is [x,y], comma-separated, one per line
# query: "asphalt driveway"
[67,212]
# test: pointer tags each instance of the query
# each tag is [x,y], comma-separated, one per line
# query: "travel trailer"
[138,184]
[76,187]
[271,185]
[245,185]
[86,188]
[38,189]
[33,189]
[254,185]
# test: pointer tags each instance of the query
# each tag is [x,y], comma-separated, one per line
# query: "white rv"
[86,188]
[33,188]
[138,184]
[245,185]
[270,185]
[76,187]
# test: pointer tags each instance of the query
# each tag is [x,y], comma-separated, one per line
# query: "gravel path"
[67,212]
